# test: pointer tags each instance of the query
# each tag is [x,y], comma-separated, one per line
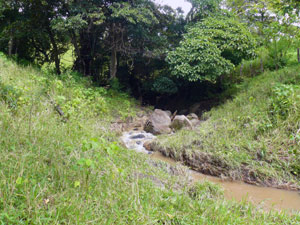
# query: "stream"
[265,197]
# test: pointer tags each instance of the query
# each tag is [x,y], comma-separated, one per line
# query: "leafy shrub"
[10,95]
[82,100]
[250,67]
[282,100]
[116,85]
[278,57]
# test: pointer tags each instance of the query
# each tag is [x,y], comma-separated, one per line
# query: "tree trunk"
[276,56]
[241,70]
[261,66]
[55,51]
[76,48]
[11,42]
[113,63]
[84,59]
[140,94]
[10,46]
[298,54]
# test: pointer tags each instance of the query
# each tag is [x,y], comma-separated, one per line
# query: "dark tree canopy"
[138,42]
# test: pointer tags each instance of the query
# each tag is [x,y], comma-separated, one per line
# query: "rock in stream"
[135,140]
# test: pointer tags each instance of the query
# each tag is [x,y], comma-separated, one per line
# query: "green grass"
[73,171]
[253,137]
[253,67]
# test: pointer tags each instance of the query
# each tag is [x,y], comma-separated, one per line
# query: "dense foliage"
[100,32]
[128,40]
[211,48]
[141,43]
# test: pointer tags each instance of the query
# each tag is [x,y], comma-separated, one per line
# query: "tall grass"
[72,170]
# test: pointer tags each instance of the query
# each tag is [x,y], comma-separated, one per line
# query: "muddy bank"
[208,167]
[264,197]
[211,165]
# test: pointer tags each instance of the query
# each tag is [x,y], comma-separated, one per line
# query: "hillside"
[71,169]
[253,137]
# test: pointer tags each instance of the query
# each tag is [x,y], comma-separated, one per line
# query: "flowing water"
[264,197]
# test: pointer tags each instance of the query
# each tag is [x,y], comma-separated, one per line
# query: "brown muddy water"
[264,197]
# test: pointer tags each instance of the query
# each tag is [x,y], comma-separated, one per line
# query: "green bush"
[282,100]
[278,57]
[211,48]
[10,95]
[116,85]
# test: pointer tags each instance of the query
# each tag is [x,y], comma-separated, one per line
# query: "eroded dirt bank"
[210,164]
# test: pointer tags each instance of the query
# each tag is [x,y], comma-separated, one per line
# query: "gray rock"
[192,116]
[158,123]
[168,112]
[139,136]
[194,119]
[195,122]
[181,121]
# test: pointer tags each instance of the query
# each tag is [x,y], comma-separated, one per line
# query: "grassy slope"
[253,137]
[55,172]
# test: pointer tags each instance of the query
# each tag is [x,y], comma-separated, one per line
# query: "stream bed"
[264,197]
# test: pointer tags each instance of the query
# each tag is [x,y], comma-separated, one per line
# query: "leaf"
[81,161]
[88,162]
[19,181]
[77,184]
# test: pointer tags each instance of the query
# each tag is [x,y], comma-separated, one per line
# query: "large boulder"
[195,122]
[181,122]
[168,112]
[194,119]
[158,123]
[192,116]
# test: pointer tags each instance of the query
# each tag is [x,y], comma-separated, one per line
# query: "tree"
[202,9]
[211,48]
[281,36]
[129,24]
[256,13]
[28,26]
